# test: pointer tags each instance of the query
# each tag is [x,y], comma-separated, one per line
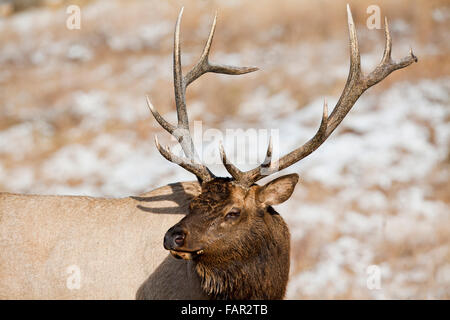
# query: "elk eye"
[233,214]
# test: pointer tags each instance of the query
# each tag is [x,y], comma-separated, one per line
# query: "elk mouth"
[185,254]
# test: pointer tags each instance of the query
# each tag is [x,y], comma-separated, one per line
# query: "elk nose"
[174,238]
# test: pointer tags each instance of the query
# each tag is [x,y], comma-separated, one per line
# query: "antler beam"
[181,131]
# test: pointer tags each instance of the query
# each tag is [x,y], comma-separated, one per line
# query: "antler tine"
[166,125]
[203,65]
[195,168]
[268,159]
[355,59]
[355,86]
[231,168]
[388,45]
[265,168]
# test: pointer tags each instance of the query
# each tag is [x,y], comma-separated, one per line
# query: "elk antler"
[356,84]
[181,131]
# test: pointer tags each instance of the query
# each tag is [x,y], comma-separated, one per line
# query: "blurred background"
[73,120]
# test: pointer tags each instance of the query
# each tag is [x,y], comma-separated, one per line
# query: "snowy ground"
[73,120]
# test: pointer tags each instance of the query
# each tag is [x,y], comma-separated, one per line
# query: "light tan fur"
[117,244]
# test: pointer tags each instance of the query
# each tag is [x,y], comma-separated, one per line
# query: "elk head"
[238,242]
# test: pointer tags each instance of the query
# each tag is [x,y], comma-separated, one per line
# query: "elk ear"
[279,190]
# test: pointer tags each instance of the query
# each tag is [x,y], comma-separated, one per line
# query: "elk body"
[70,247]
[225,239]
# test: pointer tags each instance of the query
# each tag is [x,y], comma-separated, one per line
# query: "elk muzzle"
[175,241]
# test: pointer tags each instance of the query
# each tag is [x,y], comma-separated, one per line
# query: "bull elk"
[229,240]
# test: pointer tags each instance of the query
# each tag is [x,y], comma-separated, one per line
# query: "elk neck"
[255,269]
